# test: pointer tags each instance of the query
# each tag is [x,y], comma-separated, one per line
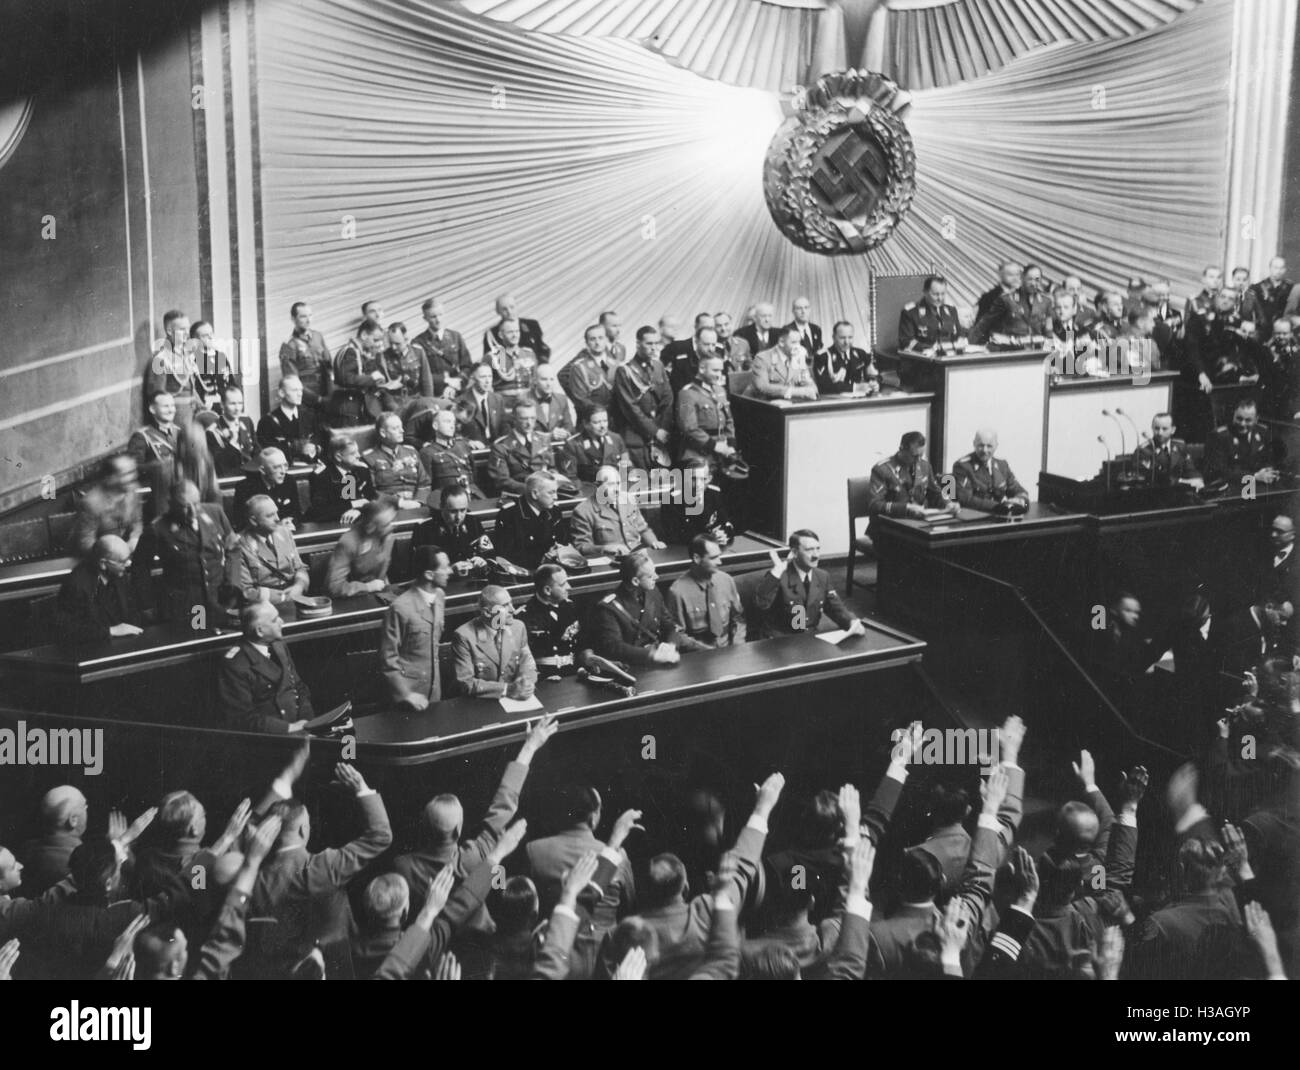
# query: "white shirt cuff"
[1090,789]
[612,854]
[897,772]
[758,823]
[859,906]
[990,822]
[568,912]
[281,786]
[367,792]
[1196,812]
[723,901]
[1127,819]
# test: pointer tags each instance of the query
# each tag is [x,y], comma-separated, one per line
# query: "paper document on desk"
[521,705]
[835,638]
[938,514]
[600,562]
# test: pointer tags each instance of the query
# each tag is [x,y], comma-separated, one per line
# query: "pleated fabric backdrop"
[411,149]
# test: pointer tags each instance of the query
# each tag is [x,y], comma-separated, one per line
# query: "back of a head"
[1201,863]
[632,933]
[819,820]
[948,805]
[178,814]
[443,818]
[769,962]
[1059,881]
[920,877]
[515,910]
[291,813]
[1076,827]
[387,898]
[94,866]
[579,804]
[790,894]
[60,807]
[160,953]
[665,882]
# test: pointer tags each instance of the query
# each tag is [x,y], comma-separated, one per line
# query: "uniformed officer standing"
[491,652]
[633,625]
[173,366]
[589,376]
[410,364]
[905,485]
[513,364]
[593,447]
[696,508]
[306,357]
[1013,310]
[645,400]
[258,687]
[1164,460]
[1219,344]
[265,565]
[452,530]
[610,522]
[191,541]
[528,528]
[929,322]
[985,481]
[521,452]
[1242,449]
[363,366]
[1265,301]
[412,629]
[551,620]
[704,602]
[154,445]
[708,431]
[444,351]
[395,466]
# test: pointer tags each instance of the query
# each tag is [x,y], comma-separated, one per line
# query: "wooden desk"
[801,453]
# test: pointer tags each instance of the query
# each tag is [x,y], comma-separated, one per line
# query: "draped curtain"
[412,149]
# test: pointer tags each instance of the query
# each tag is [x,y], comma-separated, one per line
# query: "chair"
[858,489]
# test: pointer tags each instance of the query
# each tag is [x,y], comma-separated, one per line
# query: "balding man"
[783,372]
[530,331]
[491,654]
[64,812]
[761,334]
[272,479]
[443,826]
[96,602]
[555,412]
[810,334]
[984,481]
[258,686]
[265,565]
[735,350]
[192,541]
[610,522]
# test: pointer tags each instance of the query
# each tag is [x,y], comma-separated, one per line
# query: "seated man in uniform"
[531,526]
[95,601]
[696,508]
[929,322]
[343,486]
[593,447]
[610,521]
[359,563]
[395,466]
[1243,449]
[1219,345]
[452,530]
[984,481]
[258,686]
[265,565]
[905,485]
[793,594]
[704,601]
[1164,460]
[193,542]
[521,452]
[412,629]
[291,427]
[491,652]
[782,372]
[447,457]
[551,620]
[841,365]
[632,624]
[410,366]
[231,440]
[273,480]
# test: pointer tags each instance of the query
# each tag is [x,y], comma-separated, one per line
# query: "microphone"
[1123,442]
[594,664]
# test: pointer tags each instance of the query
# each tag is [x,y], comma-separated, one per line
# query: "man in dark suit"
[552,622]
[412,629]
[555,412]
[490,652]
[258,686]
[644,398]
[343,486]
[64,812]
[633,623]
[1278,589]
[272,478]
[528,528]
[841,365]
[794,593]
[454,531]
[810,334]
[928,322]
[480,412]
[1265,302]
[192,541]
[1164,460]
[762,334]
[291,427]
[95,601]
[530,331]
[231,439]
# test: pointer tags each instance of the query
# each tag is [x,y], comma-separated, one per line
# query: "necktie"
[807,588]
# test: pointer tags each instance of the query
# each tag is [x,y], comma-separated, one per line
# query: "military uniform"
[552,635]
[1171,462]
[921,326]
[583,455]
[1265,302]
[291,433]
[524,534]
[152,445]
[791,606]
[1213,346]
[488,661]
[285,496]
[774,373]
[1017,314]
[357,560]
[306,355]
[514,460]
[513,369]
[835,373]
[530,337]
[447,357]
[171,371]
[408,645]
[194,565]
[983,486]
[628,625]
[259,693]
[1279,377]
[707,609]
[450,464]
[397,472]
[335,492]
[231,445]
[594,526]
[465,542]
[645,406]
[412,369]
[704,419]
[266,563]
[899,482]
[1231,456]
[587,382]
[682,522]
[737,354]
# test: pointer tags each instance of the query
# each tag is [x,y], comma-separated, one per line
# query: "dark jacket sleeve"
[607,638]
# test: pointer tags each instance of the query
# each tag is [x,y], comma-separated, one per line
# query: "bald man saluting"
[984,481]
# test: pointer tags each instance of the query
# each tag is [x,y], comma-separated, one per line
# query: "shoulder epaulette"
[608,598]
[909,306]
[232,652]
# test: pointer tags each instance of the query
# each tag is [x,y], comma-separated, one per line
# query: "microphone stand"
[1123,441]
[1134,426]
[1108,465]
